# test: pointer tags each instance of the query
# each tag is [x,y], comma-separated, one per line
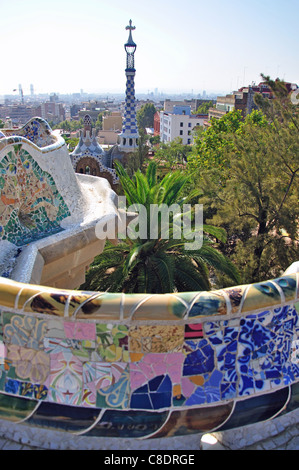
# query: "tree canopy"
[212,146]
[171,155]
[204,108]
[145,116]
[252,189]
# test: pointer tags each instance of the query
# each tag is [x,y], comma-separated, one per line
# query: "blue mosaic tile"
[157,393]
[199,361]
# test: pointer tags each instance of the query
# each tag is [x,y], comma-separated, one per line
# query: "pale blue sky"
[182,45]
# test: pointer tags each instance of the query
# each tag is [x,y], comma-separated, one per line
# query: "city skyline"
[68,45]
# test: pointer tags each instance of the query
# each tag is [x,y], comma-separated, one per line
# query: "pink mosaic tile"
[77,330]
[156,364]
[65,381]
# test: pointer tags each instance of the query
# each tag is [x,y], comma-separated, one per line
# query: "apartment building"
[51,111]
[93,108]
[239,100]
[157,123]
[194,104]
[243,99]
[18,114]
[179,123]
[112,122]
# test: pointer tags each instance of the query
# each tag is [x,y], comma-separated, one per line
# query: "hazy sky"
[182,45]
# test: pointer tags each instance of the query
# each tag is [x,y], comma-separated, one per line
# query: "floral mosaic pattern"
[106,385]
[65,378]
[149,367]
[30,204]
[112,342]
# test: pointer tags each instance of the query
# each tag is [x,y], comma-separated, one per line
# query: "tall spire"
[129,136]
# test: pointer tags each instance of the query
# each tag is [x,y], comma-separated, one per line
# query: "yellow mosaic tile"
[135,357]
[52,304]
[177,390]
[77,300]
[260,296]
[197,379]
[235,295]
[288,286]
[156,338]
[159,307]
[130,303]
[8,292]
[208,303]
[27,291]
[102,307]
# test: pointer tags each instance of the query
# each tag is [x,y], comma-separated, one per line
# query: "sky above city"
[65,46]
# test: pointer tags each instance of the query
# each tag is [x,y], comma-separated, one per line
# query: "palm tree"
[145,265]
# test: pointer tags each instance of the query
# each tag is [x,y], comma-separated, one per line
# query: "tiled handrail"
[158,307]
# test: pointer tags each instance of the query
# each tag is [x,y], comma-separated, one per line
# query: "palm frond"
[156,264]
[162,266]
[151,174]
[189,277]
[216,232]
[218,261]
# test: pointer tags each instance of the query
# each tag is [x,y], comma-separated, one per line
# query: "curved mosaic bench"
[148,366]
[45,206]
[115,365]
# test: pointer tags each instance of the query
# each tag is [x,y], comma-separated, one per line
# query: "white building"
[179,123]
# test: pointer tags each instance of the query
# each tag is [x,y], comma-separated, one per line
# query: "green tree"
[258,200]
[157,265]
[71,143]
[209,149]
[68,126]
[138,157]
[204,108]
[145,116]
[99,121]
[172,154]
[155,139]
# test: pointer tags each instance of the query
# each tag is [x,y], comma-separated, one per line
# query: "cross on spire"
[130,27]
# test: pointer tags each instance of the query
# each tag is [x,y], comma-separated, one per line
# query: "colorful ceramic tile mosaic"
[36,130]
[139,366]
[30,205]
[202,361]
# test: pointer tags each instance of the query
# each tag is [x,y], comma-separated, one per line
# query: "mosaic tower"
[129,136]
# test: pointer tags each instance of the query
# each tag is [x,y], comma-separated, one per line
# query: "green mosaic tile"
[15,408]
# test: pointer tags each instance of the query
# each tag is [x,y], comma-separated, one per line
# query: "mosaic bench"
[143,366]
[115,365]
[45,206]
